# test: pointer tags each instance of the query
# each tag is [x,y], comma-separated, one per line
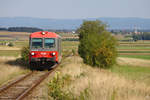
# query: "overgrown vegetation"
[25,53]
[97,46]
[9,69]
[57,89]
[121,82]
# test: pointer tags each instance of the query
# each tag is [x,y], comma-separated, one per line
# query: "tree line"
[34,29]
[21,29]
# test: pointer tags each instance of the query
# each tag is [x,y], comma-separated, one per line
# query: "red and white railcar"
[45,48]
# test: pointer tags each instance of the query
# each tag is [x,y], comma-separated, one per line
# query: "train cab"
[45,48]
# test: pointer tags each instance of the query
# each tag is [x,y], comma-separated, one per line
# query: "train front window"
[49,42]
[36,42]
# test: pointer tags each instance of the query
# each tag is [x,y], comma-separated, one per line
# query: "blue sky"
[75,9]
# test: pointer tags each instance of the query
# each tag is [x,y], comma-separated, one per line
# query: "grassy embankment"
[127,80]
[122,82]
[10,69]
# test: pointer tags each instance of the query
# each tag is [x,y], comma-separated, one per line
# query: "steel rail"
[25,93]
[27,90]
[4,87]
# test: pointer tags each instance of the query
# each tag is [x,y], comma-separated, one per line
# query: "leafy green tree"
[97,46]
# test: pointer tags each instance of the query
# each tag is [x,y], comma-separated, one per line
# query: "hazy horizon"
[75,9]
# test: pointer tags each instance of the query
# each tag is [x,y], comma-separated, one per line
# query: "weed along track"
[19,89]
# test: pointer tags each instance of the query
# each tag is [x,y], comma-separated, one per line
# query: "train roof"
[44,34]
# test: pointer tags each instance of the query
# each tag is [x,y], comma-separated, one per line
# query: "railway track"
[20,88]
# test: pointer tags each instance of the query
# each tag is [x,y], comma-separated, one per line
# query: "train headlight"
[53,53]
[32,53]
[43,33]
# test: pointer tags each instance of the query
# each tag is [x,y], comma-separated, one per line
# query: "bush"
[97,46]
[25,53]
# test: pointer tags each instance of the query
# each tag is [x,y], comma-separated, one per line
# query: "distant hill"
[113,23]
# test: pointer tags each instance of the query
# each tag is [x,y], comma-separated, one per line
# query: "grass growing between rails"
[102,84]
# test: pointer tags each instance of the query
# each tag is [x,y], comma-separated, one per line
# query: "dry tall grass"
[103,84]
[8,71]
